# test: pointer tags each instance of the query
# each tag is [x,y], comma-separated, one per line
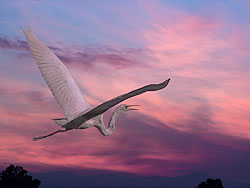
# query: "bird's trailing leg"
[58,131]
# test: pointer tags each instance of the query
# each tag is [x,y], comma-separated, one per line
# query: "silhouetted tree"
[210,183]
[15,177]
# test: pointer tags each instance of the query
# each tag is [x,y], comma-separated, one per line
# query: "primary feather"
[58,78]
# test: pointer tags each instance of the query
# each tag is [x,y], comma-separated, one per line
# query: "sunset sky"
[199,122]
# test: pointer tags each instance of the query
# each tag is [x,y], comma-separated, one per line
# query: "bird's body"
[78,113]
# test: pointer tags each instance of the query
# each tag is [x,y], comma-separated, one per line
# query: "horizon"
[87,177]
[198,123]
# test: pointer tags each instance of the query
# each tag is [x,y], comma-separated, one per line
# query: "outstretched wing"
[74,124]
[58,78]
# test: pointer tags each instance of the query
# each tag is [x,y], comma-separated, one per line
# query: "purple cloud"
[83,56]
[16,44]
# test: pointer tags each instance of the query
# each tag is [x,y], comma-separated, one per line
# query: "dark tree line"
[16,177]
[210,183]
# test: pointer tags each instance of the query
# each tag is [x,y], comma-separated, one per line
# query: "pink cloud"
[208,64]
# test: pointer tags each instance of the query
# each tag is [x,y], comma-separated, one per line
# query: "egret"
[78,114]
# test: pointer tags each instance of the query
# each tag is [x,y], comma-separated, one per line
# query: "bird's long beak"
[132,108]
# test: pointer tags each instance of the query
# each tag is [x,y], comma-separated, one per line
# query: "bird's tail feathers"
[60,121]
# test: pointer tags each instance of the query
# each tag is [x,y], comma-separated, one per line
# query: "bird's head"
[125,108]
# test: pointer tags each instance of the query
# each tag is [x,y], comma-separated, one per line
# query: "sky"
[199,122]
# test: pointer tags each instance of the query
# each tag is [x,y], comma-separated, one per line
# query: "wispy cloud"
[15,44]
[83,55]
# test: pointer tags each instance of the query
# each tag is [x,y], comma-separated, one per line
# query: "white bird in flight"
[78,113]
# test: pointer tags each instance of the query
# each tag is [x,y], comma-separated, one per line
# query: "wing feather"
[57,77]
[100,109]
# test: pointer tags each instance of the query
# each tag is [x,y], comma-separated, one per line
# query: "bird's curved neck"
[111,126]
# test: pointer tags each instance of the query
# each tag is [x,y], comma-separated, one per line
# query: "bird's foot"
[38,138]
